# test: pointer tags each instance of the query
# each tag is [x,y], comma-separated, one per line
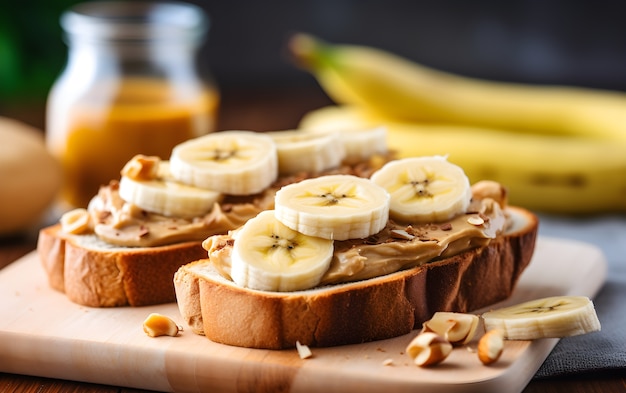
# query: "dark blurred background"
[534,41]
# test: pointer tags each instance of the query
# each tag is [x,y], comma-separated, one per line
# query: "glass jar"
[131,86]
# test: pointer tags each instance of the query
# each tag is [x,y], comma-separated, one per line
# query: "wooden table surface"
[251,110]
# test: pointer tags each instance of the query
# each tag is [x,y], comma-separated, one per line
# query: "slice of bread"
[373,309]
[94,273]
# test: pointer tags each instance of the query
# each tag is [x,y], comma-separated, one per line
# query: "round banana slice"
[269,256]
[166,196]
[307,152]
[359,144]
[551,317]
[230,162]
[337,207]
[424,189]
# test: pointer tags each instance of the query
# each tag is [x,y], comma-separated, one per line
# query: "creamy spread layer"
[399,245]
[123,224]
[120,223]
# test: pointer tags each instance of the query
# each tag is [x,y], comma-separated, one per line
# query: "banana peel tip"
[304,50]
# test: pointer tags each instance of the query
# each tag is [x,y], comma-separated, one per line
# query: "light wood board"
[44,334]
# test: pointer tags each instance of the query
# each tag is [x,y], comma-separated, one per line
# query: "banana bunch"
[557,149]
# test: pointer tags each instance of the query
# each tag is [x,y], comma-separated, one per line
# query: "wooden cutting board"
[43,334]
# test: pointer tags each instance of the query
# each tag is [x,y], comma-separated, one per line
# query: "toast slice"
[367,310]
[94,273]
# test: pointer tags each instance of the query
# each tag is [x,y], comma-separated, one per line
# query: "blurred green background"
[572,42]
[31,50]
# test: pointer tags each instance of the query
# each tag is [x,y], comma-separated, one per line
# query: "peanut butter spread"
[400,246]
[120,223]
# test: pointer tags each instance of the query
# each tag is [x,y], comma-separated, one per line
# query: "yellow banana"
[543,173]
[400,89]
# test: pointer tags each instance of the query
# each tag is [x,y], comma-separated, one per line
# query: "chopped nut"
[490,189]
[142,167]
[388,362]
[131,210]
[475,220]
[446,227]
[76,221]
[401,234]
[457,328]
[490,346]
[303,350]
[428,349]
[143,231]
[160,325]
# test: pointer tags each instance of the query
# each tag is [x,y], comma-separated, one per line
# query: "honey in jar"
[130,86]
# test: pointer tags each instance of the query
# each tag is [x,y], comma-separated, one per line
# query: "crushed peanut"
[490,346]
[303,350]
[476,220]
[446,227]
[428,349]
[142,167]
[401,234]
[76,221]
[160,325]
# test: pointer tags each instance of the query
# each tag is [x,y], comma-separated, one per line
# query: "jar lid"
[136,20]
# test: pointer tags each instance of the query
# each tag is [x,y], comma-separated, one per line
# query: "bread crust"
[374,309]
[98,276]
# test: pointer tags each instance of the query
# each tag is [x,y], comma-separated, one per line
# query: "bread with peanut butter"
[124,248]
[94,273]
[464,254]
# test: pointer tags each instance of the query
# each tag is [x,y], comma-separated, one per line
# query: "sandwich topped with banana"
[342,259]
[124,248]
[337,228]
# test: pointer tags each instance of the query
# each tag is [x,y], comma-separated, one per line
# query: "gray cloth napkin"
[604,351]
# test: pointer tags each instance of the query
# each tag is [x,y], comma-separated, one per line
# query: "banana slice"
[307,152]
[230,162]
[337,207]
[424,189]
[558,316]
[269,256]
[359,144]
[164,195]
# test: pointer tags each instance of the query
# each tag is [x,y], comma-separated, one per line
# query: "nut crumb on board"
[303,350]
[156,325]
